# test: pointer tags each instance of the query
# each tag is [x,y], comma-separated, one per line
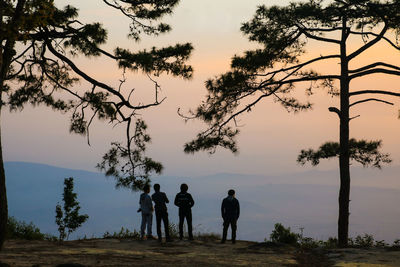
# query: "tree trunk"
[344,156]
[6,54]
[3,194]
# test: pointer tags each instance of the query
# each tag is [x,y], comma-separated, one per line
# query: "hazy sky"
[270,139]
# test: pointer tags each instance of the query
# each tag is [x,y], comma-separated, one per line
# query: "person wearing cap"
[185,203]
[230,212]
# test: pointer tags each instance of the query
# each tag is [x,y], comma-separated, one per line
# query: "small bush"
[174,230]
[310,243]
[22,230]
[366,241]
[124,233]
[283,235]
[332,242]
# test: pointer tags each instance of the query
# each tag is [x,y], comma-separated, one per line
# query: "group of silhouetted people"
[230,211]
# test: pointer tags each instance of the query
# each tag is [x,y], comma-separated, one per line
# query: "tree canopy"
[278,67]
[39,45]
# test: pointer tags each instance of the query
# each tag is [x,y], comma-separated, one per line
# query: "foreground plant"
[68,218]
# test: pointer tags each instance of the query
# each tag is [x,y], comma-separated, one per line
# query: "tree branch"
[374,71]
[371,99]
[374,92]
[369,44]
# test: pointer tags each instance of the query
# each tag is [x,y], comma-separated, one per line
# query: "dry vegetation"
[128,252]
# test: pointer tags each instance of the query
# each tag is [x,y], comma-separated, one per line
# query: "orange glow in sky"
[270,139]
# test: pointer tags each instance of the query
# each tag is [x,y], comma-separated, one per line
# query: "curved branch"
[318,38]
[373,65]
[375,34]
[371,99]
[373,71]
[369,44]
[335,110]
[374,92]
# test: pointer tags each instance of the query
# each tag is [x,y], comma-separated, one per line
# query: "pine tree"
[278,67]
[38,45]
[69,220]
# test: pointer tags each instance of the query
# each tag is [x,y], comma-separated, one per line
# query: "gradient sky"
[271,137]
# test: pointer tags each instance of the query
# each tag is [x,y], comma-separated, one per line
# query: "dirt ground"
[114,252]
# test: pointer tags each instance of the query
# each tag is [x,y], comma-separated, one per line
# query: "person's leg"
[224,231]
[181,218]
[166,225]
[158,224]
[149,224]
[234,228]
[143,226]
[189,223]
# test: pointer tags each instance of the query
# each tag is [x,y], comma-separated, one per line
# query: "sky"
[270,138]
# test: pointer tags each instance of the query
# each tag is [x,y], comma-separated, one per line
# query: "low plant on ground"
[22,230]
[283,235]
[173,229]
[124,233]
[365,241]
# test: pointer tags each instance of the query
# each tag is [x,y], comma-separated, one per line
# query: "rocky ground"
[114,252]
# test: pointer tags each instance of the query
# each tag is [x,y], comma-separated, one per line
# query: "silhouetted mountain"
[307,199]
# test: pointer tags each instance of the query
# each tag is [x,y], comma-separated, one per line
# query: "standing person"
[230,211]
[160,199]
[146,207]
[185,203]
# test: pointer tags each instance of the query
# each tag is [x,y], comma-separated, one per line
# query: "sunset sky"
[270,138]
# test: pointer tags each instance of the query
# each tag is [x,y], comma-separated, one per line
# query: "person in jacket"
[185,203]
[160,199]
[146,207]
[230,212]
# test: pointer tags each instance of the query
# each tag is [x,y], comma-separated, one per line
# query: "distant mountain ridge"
[297,200]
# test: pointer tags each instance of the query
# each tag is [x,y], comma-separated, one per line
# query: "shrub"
[310,243]
[366,241]
[69,220]
[22,230]
[332,242]
[124,233]
[283,235]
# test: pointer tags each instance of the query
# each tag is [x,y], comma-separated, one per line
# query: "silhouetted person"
[185,203]
[146,207]
[160,199]
[230,211]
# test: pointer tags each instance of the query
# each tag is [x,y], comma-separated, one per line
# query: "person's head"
[184,187]
[156,187]
[146,188]
[231,192]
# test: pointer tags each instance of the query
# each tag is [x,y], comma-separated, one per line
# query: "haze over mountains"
[302,200]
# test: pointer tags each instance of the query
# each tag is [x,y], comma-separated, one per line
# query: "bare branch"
[335,110]
[374,71]
[374,92]
[373,65]
[369,44]
[371,99]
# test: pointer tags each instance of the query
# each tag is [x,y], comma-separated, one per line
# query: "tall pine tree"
[278,67]
[38,46]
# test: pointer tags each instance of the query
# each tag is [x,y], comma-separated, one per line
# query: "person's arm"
[176,200]
[191,201]
[223,210]
[149,203]
[166,199]
[238,209]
